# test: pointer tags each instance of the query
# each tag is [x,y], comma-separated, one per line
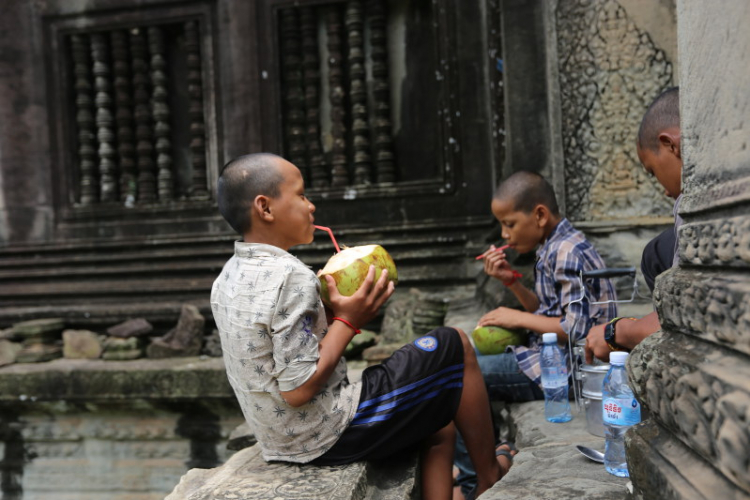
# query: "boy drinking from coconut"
[526,207]
[284,359]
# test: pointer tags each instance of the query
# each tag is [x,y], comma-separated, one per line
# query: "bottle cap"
[618,358]
[549,338]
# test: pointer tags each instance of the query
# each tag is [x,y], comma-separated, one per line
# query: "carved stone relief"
[718,242]
[609,72]
[712,306]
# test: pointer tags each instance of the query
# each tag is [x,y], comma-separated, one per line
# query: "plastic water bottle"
[554,381]
[620,411]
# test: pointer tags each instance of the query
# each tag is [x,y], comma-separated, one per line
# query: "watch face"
[608,332]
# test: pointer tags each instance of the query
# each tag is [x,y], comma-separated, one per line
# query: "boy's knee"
[469,353]
[455,335]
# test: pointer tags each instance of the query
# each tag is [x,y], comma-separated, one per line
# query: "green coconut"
[349,268]
[494,339]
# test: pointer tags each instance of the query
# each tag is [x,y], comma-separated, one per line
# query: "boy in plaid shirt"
[526,207]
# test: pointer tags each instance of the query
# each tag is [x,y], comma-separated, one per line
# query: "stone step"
[104,282]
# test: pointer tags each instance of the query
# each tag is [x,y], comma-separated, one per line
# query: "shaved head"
[241,181]
[662,114]
[526,190]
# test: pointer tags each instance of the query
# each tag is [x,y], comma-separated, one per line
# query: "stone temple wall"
[694,375]
[606,61]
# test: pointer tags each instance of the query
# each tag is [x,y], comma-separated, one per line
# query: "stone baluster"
[311,82]
[497,79]
[160,111]
[104,119]
[143,129]
[354,21]
[384,157]
[124,116]
[339,174]
[199,187]
[294,110]
[89,187]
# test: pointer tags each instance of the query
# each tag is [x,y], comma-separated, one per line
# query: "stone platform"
[548,464]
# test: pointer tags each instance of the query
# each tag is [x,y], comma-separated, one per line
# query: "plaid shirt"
[557,282]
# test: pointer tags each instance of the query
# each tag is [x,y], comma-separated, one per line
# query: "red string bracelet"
[515,277]
[356,330]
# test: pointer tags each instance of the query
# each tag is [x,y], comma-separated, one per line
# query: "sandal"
[499,451]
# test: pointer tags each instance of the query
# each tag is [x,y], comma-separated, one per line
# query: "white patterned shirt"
[267,308]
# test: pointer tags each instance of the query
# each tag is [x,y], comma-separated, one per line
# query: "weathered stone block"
[247,475]
[185,339]
[38,353]
[212,346]
[38,327]
[9,351]
[81,344]
[122,349]
[131,328]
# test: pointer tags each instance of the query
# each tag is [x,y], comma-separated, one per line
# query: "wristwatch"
[609,336]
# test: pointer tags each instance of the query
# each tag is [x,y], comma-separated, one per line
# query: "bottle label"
[554,378]
[621,411]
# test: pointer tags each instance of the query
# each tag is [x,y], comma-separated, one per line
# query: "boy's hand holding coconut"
[358,309]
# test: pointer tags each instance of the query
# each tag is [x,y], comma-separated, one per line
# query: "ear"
[669,139]
[262,208]
[542,215]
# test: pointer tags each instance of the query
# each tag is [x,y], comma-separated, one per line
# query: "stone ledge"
[86,380]
[247,475]
[548,465]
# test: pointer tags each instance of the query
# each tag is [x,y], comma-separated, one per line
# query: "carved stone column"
[311,80]
[199,188]
[693,376]
[294,104]
[384,157]
[104,117]
[80,49]
[339,173]
[160,111]
[124,116]
[354,21]
[142,113]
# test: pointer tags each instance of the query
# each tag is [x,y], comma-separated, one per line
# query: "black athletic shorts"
[405,399]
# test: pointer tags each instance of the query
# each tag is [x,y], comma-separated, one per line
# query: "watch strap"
[610,333]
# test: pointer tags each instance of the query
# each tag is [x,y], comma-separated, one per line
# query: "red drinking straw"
[480,257]
[330,233]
